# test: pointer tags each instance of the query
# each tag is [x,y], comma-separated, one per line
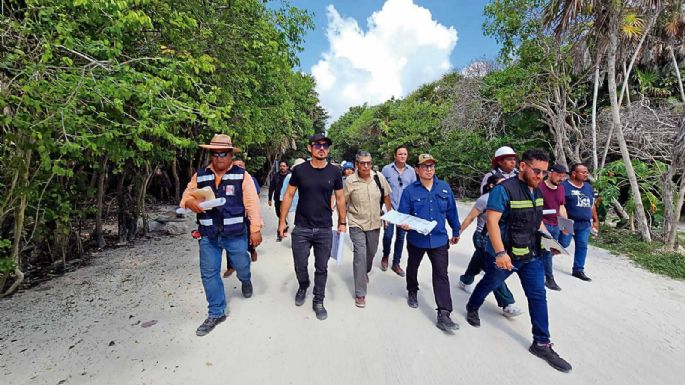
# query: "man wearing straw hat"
[223,228]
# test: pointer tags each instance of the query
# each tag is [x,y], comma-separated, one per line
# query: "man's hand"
[194,205]
[405,227]
[504,262]
[256,238]
[595,229]
[454,240]
[281,229]
[269,203]
[342,228]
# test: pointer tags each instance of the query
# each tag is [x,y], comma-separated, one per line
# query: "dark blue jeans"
[581,239]
[532,276]
[399,243]
[502,293]
[547,255]
[303,240]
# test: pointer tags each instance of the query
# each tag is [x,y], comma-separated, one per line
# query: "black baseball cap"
[319,137]
[559,168]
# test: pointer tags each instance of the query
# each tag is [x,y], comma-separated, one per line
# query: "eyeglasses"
[428,166]
[318,146]
[220,154]
[365,164]
[537,171]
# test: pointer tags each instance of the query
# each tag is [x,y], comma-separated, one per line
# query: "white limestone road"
[129,317]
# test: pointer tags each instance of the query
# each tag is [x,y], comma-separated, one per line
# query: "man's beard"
[531,181]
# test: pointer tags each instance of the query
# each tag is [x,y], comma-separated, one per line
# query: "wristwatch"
[342,223]
[500,253]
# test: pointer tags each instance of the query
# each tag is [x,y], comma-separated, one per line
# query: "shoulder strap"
[380,187]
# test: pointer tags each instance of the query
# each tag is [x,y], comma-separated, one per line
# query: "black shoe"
[552,284]
[445,323]
[412,301]
[247,289]
[320,311]
[546,353]
[209,325]
[299,296]
[472,318]
[581,275]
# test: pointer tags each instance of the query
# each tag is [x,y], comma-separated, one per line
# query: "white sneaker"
[511,311]
[465,287]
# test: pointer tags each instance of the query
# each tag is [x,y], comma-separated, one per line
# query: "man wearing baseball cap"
[503,163]
[431,199]
[224,227]
[553,195]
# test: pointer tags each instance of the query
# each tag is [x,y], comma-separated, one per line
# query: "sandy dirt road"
[87,327]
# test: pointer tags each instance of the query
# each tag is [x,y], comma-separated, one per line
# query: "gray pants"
[365,246]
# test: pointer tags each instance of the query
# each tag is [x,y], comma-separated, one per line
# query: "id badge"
[230,190]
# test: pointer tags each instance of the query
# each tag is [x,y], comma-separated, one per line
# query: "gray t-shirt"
[481,205]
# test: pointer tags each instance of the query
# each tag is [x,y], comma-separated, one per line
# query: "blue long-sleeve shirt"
[438,204]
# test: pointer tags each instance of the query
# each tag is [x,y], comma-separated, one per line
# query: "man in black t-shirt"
[315,181]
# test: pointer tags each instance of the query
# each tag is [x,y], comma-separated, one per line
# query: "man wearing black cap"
[315,181]
[553,196]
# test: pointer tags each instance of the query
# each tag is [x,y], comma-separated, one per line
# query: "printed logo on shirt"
[230,190]
[584,201]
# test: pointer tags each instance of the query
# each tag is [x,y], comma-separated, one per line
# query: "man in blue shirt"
[431,199]
[514,216]
[580,206]
[399,175]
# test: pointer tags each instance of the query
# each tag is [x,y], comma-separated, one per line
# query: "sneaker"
[412,300]
[247,289]
[511,311]
[546,352]
[253,255]
[299,296]
[209,325]
[551,284]
[445,323]
[360,301]
[398,270]
[472,318]
[321,313]
[384,263]
[581,275]
[228,272]
[465,287]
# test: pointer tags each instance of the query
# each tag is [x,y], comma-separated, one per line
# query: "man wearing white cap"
[503,163]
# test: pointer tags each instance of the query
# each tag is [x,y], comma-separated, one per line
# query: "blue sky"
[366,51]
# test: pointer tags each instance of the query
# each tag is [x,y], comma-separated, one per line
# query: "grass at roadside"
[647,255]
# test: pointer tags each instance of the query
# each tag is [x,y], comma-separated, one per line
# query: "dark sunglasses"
[321,145]
[365,164]
[399,179]
[220,154]
[537,171]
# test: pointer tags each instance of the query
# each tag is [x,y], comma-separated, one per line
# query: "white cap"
[504,151]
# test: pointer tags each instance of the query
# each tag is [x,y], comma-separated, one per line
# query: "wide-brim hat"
[501,153]
[220,142]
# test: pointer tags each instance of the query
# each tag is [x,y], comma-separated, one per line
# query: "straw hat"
[220,142]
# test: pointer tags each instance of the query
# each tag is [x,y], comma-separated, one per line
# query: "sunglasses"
[318,146]
[537,171]
[365,164]
[220,154]
[427,166]
[399,179]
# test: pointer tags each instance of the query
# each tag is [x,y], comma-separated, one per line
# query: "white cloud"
[402,48]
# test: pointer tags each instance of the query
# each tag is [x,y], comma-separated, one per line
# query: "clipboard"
[565,224]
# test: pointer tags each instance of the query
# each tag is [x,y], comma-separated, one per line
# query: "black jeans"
[303,240]
[441,282]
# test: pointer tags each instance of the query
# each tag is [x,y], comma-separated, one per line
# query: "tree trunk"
[627,90]
[677,72]
[669,209]
[640,216]
[141,193]
[177,183]
[595,163]
[98,234]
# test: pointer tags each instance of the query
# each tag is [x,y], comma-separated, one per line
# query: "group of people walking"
[509,216]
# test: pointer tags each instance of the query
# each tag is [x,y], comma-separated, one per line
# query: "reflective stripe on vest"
[232,177]
[233,221]
[205,178]
[205,222]
[519,251]
[527,204]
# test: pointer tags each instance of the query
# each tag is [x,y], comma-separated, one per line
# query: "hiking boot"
[398,270]
[247,289]
[360,301]
[209,325]
[412,300]
[445,323]
[581,275]
[384,263]
[472,318]
[253,255]
[511,311]
[546,352]
[465,287]
[321,313]
[299,296]
[228,272]
[551,284]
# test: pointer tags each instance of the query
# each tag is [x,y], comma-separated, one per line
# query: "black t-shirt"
[315,186]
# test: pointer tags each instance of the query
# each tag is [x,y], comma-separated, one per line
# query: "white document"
[551,243]
[565,224]
[420,225]
[337,241]
[205,205]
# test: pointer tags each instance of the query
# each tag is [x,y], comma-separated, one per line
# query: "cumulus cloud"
[402,48]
